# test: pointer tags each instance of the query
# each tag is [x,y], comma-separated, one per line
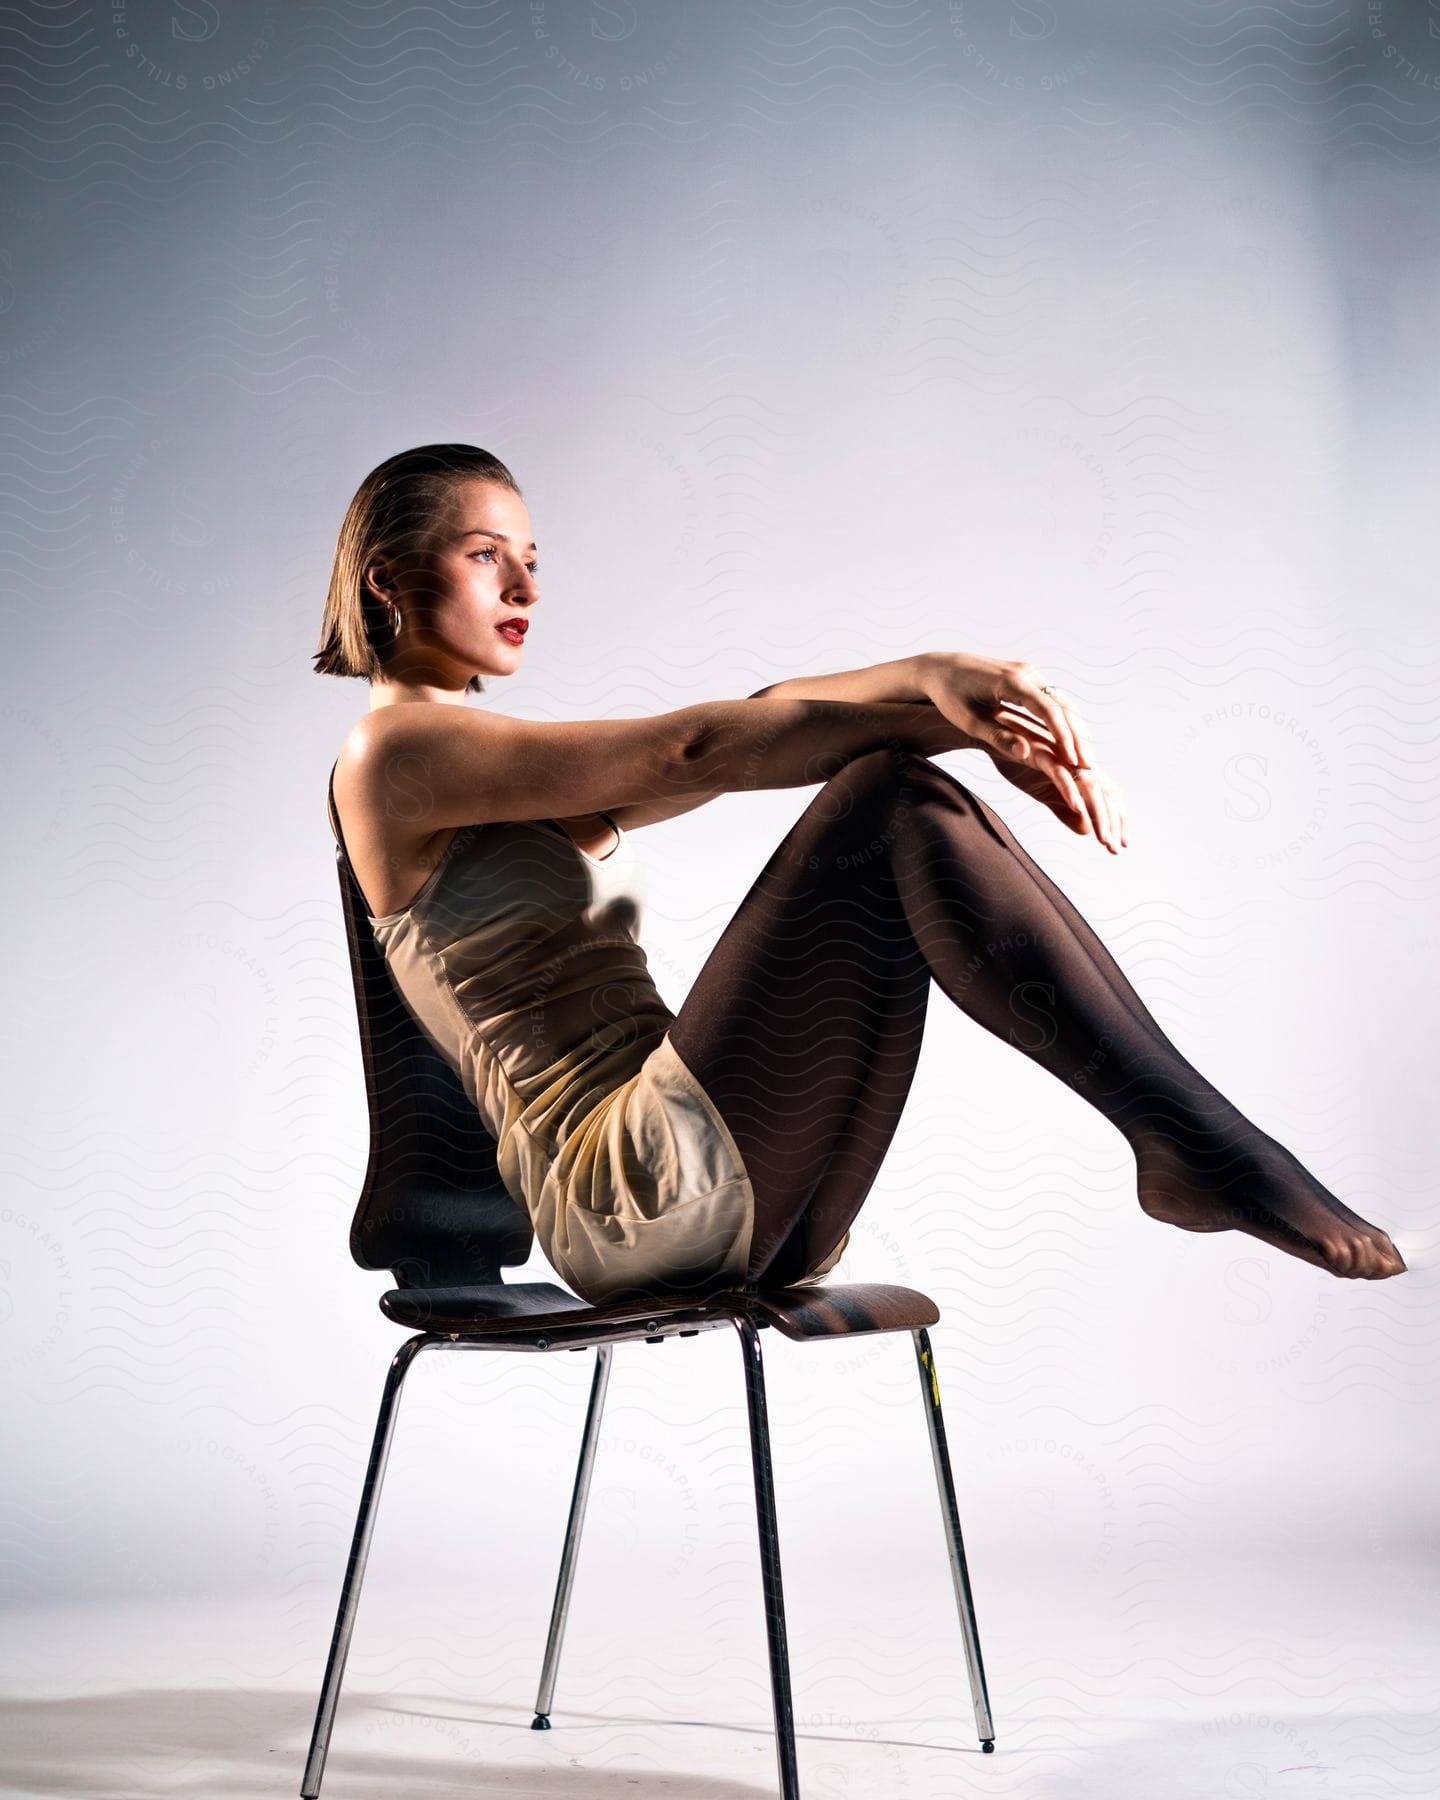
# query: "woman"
[734,1141]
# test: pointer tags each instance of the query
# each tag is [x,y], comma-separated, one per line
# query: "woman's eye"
[489,550]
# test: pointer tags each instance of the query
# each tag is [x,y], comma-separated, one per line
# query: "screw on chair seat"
[519,1311]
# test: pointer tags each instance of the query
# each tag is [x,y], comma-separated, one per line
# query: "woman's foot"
[1254,1184]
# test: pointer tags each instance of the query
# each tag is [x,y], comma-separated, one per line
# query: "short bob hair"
[395,512]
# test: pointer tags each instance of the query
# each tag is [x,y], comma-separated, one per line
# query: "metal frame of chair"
[434,1211]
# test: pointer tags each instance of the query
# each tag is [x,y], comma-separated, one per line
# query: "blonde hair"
[395,512]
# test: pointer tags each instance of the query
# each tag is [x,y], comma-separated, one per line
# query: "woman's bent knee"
[862,784]
[890,771]
[878,788]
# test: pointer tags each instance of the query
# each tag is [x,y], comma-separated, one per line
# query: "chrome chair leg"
[581,1493]
[359,1553]
[770,1559]
[959,1573]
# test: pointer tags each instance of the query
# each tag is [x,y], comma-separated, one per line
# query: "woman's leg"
[804,1024]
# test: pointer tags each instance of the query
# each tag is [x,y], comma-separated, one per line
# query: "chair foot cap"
[541,1722]
[988,1746]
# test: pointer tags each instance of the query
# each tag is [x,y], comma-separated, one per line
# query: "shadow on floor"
[241,1744]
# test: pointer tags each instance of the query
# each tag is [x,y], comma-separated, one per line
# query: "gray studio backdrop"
[1101,335]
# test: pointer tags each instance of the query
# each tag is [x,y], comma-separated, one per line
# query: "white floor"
[1311,1677]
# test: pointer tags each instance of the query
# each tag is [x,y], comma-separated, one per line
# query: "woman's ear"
[379,580]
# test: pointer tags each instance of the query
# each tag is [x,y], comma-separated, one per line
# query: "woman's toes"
[1380,1258]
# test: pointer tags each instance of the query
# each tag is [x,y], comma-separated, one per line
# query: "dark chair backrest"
[432,1207]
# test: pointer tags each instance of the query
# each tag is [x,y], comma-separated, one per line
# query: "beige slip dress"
[520,959]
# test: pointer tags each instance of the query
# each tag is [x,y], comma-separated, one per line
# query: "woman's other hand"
[1006,704]
[1083,799]
[1035,739]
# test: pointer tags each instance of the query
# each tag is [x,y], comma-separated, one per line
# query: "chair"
[433,1210]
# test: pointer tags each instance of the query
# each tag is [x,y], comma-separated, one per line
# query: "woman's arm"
[978,691]
[773,741]
[899,681]
[1034,738]
[779,741]
[904,711]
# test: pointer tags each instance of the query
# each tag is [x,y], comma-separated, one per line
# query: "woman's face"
[480,575]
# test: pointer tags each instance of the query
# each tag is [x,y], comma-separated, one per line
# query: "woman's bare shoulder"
[386,730]
[391,724]
[370,743]
[391,857]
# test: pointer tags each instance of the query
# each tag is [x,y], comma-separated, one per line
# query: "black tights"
[804,1025]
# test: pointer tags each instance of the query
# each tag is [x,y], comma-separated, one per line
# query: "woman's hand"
[1034,738]
[1096,805]
[1005,704]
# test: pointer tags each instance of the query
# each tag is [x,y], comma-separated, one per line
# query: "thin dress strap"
[339,836]
[335,830]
